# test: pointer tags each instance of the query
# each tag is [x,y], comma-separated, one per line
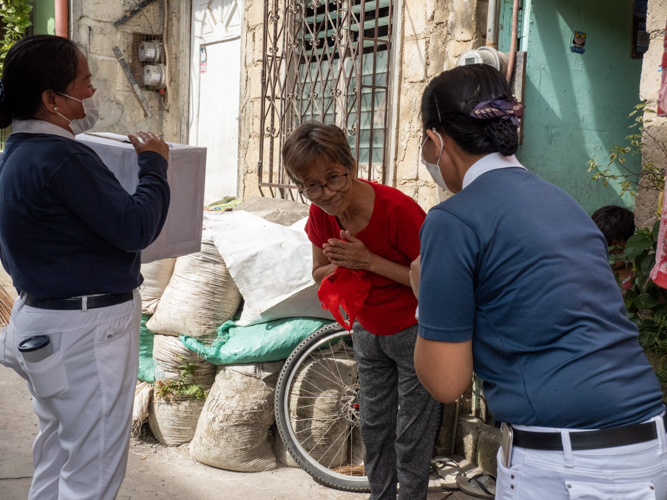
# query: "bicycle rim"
[317,411]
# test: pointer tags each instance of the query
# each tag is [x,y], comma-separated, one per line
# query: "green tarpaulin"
[272,341]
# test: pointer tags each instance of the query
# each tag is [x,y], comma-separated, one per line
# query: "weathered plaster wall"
[251,96]
[92,27]
[429,34]
[433,34]
[646,206]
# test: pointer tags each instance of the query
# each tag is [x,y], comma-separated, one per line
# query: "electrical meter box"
[181,234]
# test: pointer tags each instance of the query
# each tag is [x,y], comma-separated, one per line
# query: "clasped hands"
[349,252]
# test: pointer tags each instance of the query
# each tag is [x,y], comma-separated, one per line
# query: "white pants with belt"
[83,395]
[634,472]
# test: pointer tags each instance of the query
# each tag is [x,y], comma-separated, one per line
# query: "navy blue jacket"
[67,227]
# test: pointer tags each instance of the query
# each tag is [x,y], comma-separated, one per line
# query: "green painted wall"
[577,105]
[45,17]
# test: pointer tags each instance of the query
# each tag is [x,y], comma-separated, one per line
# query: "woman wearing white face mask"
[515,282]
[70,238]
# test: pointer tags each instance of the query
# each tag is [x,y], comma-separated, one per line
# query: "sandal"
[449,471]
[479,486]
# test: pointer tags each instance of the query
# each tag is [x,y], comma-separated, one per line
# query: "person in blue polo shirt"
[516,285]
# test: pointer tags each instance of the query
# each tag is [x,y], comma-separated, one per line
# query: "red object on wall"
[662,96]
[659,272]
[346,289]
[62,18]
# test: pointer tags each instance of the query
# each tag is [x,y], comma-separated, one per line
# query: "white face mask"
[91,107]
[433,168]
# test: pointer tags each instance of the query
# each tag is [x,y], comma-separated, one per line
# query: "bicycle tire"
[313,350]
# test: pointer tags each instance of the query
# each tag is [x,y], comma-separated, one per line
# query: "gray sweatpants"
[399,418]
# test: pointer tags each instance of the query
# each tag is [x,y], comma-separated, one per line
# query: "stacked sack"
[226,411]
[234,430]
[182,381]
[199,297]
[156,278]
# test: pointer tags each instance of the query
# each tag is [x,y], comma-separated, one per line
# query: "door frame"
[195,81]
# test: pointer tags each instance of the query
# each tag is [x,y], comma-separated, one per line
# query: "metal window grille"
[325,60]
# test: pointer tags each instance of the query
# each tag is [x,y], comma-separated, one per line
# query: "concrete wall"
[428,34]
[92,27]
[646,206]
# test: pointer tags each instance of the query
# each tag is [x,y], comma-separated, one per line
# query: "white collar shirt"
[39,127]
[493,161]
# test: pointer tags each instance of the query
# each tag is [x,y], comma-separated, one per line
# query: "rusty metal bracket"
[133,82]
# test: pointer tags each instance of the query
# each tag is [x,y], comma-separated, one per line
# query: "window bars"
[328,61]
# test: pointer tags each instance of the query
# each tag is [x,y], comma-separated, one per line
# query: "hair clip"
[437,107]
[500,107]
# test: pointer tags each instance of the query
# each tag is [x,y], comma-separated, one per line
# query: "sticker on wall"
[203,65]
[578,42]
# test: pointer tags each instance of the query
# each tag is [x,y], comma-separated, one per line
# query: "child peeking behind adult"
[617,225]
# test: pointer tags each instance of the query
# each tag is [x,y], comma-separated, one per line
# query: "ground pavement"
[155,472]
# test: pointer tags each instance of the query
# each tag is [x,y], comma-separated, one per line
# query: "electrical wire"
[166,99]
[142,11]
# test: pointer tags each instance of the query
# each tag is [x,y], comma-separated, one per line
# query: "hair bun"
[504,135]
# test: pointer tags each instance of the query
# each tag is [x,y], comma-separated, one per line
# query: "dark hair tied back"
[34,65]
[503,135]
[458,93]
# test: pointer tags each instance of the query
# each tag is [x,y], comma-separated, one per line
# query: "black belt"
[75,303]
[587,440]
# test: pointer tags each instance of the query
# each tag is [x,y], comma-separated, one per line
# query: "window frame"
[287,47]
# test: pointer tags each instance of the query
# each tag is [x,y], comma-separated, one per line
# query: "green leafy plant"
[15,16]
[645,302]
[169,389]
[628,180]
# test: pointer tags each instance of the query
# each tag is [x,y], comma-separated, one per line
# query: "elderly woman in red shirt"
[366,226]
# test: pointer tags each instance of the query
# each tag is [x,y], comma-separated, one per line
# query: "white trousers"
[634,472]
[82,394]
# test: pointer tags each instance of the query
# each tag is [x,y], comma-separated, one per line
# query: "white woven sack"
[233,430]
[173,361]
[156,278]
[281,452]
[200,297]
[143,393]
[173,422]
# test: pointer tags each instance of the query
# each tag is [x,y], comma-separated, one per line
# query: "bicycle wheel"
[317,411]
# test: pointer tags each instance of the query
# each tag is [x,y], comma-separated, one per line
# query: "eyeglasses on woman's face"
[336,183]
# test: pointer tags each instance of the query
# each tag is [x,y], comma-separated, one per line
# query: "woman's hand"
[415,269]
[151,142]
[351,253]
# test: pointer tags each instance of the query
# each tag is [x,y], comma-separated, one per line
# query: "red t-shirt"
[392,233]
